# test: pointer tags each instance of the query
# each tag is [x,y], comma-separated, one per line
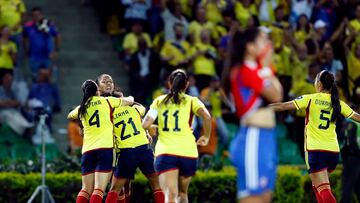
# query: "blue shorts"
[98,160]
[132,158]
[321,160]
[254,154]
[167,162]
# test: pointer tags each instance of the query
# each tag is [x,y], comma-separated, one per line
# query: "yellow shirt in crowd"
[131,42]
[203,65]
[10,13]
[243,14]
[6,60]
[178,51]
[214,9]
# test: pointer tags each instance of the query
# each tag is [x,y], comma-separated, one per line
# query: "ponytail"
[327,79]
[178,80]
[89,88]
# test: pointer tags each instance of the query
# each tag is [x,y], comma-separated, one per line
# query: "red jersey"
[247,84]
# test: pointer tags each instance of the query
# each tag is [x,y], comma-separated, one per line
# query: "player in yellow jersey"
[321,145]
[176,148]
[97,151]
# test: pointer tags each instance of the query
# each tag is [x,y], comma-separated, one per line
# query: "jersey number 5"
[131,122]
[94,119]
[323,116]
[166,118]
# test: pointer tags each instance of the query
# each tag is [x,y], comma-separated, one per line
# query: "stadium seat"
[289,152]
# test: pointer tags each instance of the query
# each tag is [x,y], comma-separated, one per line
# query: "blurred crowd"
[29,43]
[154,37]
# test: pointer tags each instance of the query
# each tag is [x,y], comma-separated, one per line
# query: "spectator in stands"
[214,9]
[327,12]
[302,29]
[175,52]
[131,40]
[204,58]
[355,23]
[172,14]
[7,52]
[75,137]
[144,71]
[45,94]
[213,96]
[11,15]
[42,41]
[328,61]
[301,8]
[244,10]
[266,11]
[317,39]
[10,107]
[200,24]
[353,63]
[350,153]
[136,12]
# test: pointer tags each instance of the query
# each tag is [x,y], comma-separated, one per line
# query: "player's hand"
[153,130]
[203,141]
[149,137]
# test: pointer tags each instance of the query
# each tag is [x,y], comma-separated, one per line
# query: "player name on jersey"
[322,102]
[93,103]
[123,113]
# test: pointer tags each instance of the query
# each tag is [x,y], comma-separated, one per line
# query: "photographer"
[350,153]
[204,58]
[41,41]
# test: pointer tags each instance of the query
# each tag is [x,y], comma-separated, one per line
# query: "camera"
[44,25]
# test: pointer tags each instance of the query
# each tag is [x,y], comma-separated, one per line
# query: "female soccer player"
[135,151]
[176,151]
[321,146]
[253,84]
[97,151]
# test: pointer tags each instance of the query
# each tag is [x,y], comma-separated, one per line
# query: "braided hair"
[178,81]
[327,80]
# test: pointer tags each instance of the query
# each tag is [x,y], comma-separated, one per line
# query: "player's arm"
[127,101]
[283,106]
[205,116]
[355,117]
[73,115]
[149,119]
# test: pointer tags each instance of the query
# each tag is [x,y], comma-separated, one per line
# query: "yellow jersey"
[178,51]
[128,127]
[174,126]
[6,60]
[97,122]
[10,13]
[195,29]
[131,41]
[202,64]
[319,130]
[214,9]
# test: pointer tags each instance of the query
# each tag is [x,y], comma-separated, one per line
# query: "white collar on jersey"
[251,64]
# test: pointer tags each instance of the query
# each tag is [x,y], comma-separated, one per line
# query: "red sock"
[112,197]
[97,196]
[318,198]
[159,196]
[83,197]
[327,196]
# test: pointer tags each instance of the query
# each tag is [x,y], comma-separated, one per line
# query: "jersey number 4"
[324,116]
[94,119]
[166,118]
[123,124]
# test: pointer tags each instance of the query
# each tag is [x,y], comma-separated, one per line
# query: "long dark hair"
[239,42]
[89,88]
[327,80]
[178,80]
